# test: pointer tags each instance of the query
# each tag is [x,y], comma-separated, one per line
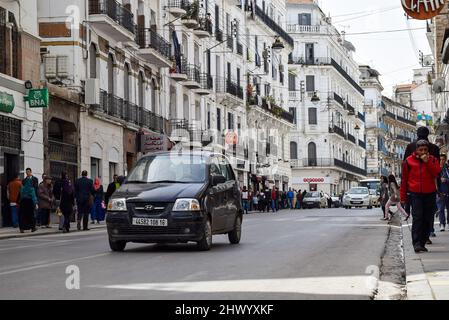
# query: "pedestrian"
[423,134]
[383,199]
[298,199]
[112,187]
[419,173]
[84,191]
[97,211]
[256,201]
[443,193]
[67,201]
[283,197]
[262,201]
[57,190]
[28,205]
[329,201]
[267,200]
[13,193]
[290,197]
[35,184]
[303,195]
[245,200]
[394,199]
[274,198]
[45,200]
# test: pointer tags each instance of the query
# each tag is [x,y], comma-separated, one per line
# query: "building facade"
[328,143]
[21,127]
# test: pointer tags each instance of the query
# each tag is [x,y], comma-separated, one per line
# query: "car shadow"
[178,247]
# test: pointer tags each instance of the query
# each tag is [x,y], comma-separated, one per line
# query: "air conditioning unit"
[92,92]
[62,66]
[50,67]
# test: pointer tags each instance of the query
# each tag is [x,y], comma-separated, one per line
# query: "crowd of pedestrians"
[32,203]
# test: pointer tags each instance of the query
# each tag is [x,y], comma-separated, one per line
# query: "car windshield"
[173,168]
[359,191]
[312,195]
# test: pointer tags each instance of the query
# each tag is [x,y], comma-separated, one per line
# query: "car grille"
[138,208]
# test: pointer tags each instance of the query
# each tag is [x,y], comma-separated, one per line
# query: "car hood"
[353,195]
[159,192]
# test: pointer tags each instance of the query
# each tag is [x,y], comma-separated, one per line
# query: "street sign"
[423,9]
[7,103]
[38,98]
[154,142]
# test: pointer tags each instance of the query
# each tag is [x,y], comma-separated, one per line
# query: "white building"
[328,145]
[21,127]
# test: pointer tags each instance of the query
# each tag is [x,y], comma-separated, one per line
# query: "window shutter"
[310,83]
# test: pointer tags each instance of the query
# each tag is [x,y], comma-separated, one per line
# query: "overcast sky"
[394,55]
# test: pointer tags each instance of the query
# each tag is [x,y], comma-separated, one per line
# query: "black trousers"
[423,210]
[83,213]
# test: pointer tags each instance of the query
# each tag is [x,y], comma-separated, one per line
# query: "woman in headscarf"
[28,203]
[97,211]
[67,201]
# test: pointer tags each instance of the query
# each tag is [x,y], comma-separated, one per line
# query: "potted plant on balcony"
[192,12]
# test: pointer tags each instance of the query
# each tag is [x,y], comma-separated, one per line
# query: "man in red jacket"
[419,174]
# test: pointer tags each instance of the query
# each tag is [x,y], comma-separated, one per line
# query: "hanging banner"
[154,142]
[423,9]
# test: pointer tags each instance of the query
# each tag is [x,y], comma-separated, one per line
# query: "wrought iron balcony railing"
[115,11]
[352,138]
[316,61]
[337,130]
[274,26]
[347,76]
[60,151]
[148,38]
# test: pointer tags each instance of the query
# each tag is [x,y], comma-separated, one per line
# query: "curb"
[44,232]
[417,284]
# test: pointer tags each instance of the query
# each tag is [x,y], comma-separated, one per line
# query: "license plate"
[357,202]
[150,222]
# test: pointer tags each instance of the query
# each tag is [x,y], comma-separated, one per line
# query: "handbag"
[58,211]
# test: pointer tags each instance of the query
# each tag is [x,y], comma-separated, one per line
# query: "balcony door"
[111,77]
[310,53]
[311,151]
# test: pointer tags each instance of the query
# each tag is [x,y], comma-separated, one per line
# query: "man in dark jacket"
[443,192]
[114,185]
[35,181]
[84,190]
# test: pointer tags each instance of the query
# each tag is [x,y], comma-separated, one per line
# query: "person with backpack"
[395,199]
[419,173]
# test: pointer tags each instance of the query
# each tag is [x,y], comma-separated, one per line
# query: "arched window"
[311,151]
[126,82]
[293,150]
[111,76]
[93,61]
[141,94]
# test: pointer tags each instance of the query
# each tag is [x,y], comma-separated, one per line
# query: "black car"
[174,197]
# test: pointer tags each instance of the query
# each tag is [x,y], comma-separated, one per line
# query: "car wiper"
[135,181]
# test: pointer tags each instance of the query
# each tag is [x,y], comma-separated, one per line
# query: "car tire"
[369,207]
[206,241]
[117,246]
[235,235]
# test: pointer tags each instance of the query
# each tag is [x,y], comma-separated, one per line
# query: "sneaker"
[442,228]
[418,249]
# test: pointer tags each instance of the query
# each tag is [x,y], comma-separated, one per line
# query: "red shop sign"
[423,9]
[313,180]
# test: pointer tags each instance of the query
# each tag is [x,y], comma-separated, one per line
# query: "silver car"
[314,199]
[357,197]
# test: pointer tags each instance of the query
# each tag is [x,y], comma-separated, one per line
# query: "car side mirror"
[217,179]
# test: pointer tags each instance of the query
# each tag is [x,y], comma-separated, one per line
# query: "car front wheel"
[236,234]
[206,241]
[117,246]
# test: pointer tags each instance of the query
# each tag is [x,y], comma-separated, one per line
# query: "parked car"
[358,197]
[314,199]
[173,197]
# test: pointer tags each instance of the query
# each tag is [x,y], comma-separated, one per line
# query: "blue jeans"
[274,205]
[443,204]
[14,217]
[290,203]
[245,206]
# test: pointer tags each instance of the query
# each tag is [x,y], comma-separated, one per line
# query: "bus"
[374,187]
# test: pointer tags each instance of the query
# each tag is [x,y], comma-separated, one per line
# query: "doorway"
[12,167]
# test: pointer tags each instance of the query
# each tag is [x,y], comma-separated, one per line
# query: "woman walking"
[28,204]
[97,211]
[67,201]
[46,200]
[383,199]
[395,199]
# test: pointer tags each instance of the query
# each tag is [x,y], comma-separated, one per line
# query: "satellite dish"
[439,85]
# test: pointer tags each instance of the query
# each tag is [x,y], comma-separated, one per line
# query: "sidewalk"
[7,233]
[427,274]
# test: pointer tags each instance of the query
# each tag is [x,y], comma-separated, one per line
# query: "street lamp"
[357,128]
[277,46]
[315,99]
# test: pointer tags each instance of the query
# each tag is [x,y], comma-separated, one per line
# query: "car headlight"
[117,205]
[187,205]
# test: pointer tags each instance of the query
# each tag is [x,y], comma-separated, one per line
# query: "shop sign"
[423,9]
[7,103]
[231,138]
[154,142]
[312,180]
[37,98]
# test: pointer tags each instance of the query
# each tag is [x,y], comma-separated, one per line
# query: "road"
[298,254]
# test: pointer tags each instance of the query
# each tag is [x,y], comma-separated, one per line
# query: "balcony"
[403,138]
[131,112]
[352,138]
[349,167]
[193,77]
[294,95]
[337,130]
[326,163]
[150,120]
[64,152]
[270,107]
[206,84]
[339,99]
[111,18]
[362,144]
[154,48]
[218,34]
[204,28]
[319,61]
[229,92]
[351,110]
[177,8]
[296,28]
[273,26]
[179,72]
[390,115]
[407,121]
[347,77]
[190,19]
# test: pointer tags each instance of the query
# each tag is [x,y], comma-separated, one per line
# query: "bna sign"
[423,9]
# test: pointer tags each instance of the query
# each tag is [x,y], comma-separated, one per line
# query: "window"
[112,170]
[293,150]
[111,76]
[126,83]
[291,82]
[310,83]
[311,152]
[304,19]
[310,53]
[141,90]
[95,168]
[93,61]
[293,112]
[230,121]
[218,119]
[313,116]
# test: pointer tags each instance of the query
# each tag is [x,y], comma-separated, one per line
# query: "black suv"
[176,197]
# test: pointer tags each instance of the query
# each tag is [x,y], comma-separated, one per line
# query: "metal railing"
[316,61]
[339,99]
[59,151]
[230,42]
[362,144]
[294,95]
[181,4]
[407,121]
[349,167]
[205,24]
[219,34]
[115,11]
[297,28]
[273,25]
[352,138]
[206,81]
[326,162]
[148,38]
[347,76]
[131,113]
[361,116]
[350,108]
[404,138]
[390,114]
[183,68]
[228,86]
[337,130]
[193,73]
[272,108]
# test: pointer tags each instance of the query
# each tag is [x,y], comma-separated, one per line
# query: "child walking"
[395,199]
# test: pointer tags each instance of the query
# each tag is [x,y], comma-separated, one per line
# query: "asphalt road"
[299,254]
